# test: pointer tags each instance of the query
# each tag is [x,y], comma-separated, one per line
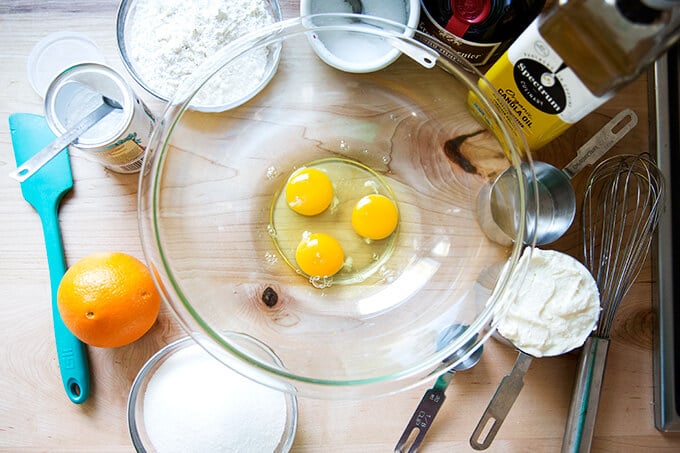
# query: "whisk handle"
[578,433]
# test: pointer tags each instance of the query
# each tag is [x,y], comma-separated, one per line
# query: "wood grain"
[100,214]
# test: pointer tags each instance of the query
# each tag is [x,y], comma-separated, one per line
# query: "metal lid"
[55,53]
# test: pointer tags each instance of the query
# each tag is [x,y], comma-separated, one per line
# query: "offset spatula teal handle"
[44,191]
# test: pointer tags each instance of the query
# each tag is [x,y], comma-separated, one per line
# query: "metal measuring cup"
[552,343]
[550,213]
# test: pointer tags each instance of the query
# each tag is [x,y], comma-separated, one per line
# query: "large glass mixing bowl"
[221,242]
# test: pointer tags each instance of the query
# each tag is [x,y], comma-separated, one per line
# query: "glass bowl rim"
[192,323]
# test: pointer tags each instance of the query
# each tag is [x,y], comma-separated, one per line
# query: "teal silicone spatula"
[44,191]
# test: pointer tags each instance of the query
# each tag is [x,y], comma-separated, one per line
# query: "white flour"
[194,403]
[168,39]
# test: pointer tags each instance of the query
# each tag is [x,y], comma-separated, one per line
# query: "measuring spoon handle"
[601,142]
[35,163]
[424,415]
[500,404]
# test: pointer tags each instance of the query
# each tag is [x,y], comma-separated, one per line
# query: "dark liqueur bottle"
[480,30]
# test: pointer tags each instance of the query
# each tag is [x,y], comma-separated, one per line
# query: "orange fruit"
[108,299]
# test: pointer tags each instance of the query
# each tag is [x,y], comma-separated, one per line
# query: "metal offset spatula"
[44,191]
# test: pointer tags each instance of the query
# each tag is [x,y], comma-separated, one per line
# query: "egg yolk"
[319,255]
[375,217]
[309,191]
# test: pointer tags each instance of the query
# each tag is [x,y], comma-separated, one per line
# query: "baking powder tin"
[119,140]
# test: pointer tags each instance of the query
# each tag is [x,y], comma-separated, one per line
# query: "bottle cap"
[465,13]
[55,53]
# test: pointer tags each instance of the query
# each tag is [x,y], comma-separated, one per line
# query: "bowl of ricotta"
[556,308]
[162,42]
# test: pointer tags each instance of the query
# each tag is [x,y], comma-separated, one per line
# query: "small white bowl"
[351,52]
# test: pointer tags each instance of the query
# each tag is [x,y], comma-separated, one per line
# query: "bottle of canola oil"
[574,56]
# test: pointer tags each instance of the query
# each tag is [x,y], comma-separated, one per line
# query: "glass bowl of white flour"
[162,42]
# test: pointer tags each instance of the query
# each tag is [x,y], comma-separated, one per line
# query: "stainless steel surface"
[603,140]
[550,212]
[583,406]
[665,142]
[622,204]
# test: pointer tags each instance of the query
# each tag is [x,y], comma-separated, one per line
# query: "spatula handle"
[71,352]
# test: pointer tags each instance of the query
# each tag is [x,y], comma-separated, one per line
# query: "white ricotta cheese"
[556,307]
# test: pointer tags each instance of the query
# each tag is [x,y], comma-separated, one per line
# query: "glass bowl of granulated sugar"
[183,400]
[161,42]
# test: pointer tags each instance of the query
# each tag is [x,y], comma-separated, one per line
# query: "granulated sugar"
[193,403]
[168,39]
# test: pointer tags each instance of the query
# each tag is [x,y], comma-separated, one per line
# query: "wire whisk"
[623,201]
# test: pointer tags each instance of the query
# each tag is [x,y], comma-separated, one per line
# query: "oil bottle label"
[479,54]
[542,92]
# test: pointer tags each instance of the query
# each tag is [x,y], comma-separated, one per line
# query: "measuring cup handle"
[602,141]
[500,404]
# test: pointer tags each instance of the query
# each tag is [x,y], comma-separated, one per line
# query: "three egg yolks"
[309,192]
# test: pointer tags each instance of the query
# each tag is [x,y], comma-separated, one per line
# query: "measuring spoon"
[556,198]
[501,403]
[35,163]
[434,398]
